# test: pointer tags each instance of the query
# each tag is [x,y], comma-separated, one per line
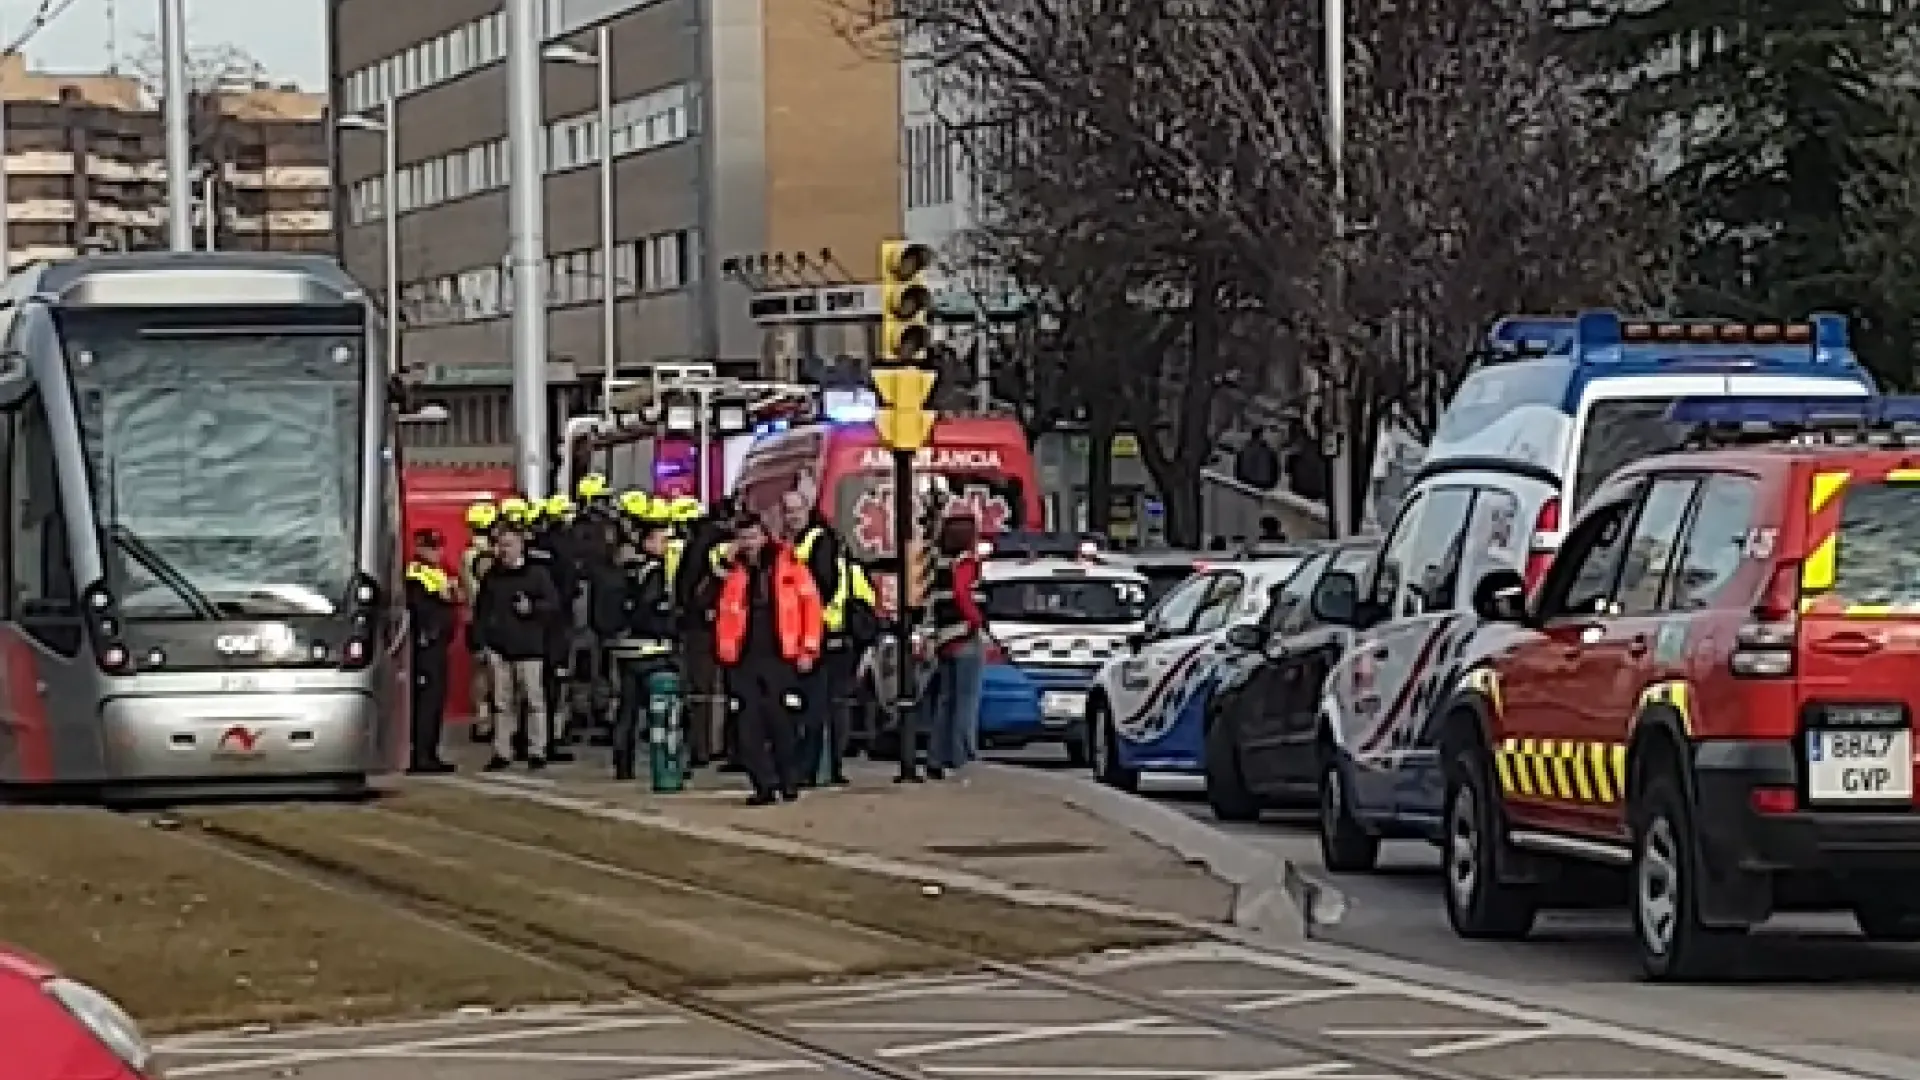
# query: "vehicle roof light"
[1600,336]
[1763,419]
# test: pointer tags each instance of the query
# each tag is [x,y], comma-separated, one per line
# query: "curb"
[1272,898]
[897,869]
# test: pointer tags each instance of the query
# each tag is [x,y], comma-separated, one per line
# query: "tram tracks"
[441,901]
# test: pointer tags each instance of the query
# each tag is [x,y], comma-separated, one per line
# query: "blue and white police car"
[1146,709]
[1052,622]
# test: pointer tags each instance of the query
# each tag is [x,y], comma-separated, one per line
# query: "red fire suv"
[1714,687]
[52,1028]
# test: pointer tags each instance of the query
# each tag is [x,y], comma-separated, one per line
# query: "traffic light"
[904,422]
[906,304]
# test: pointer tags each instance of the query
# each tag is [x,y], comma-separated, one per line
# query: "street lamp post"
[527,243]
[1340,509]
[389,213]
[601,60]
[173,54]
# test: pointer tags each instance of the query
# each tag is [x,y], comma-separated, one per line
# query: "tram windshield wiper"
[165,572]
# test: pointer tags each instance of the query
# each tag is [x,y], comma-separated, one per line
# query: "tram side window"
[46,599]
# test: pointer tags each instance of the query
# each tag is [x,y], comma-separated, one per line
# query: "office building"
[741,128]
[85,164]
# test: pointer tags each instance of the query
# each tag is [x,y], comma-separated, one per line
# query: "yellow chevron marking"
[1826,485]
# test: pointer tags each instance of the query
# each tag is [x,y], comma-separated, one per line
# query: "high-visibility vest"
[675,548]
[833,609]
[862,585]
[718,556]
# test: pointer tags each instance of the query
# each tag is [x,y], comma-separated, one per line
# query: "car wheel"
[1075,744]
[1346,847]
[1107,767]
[1888,920]
[1674,945]
[1479,904]
[1227,790]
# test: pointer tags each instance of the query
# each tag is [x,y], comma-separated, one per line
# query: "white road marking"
[728,1072]
[286,1059]
[996,988]
[1333,1070]
[1563,1025]
[1491,1041]
[1015,1036]
[529,1016]
[1295,997]
[1386,1033]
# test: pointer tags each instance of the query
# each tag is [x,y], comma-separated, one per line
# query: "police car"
[1146,709]
[1052,623]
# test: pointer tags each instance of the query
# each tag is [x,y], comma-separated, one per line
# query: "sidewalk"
[989,824]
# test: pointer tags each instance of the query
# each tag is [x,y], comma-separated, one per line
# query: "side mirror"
[1247,637]
[16,378]
[1336,599]
[1501,596]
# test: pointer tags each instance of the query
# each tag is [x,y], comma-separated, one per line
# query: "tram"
[203,558]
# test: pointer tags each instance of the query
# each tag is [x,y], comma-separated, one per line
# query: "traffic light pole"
[906,683]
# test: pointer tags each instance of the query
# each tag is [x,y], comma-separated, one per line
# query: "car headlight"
[105,1019]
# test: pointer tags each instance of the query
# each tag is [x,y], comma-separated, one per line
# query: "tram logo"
[239,742]
[271,642]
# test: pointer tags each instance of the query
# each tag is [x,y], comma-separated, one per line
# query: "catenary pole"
[527,244]
[173,54]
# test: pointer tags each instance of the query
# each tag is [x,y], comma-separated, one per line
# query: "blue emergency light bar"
[1531,335]
[1762,416]
[1606,337]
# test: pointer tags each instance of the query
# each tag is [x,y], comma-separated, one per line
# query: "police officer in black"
[551,547]
[696,593]
[432,618]
[639,628]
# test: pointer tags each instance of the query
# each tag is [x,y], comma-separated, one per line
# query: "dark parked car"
[1260,721]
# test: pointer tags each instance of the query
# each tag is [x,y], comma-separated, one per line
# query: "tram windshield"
[225,459]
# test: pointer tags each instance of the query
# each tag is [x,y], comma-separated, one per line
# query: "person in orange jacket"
[767,634]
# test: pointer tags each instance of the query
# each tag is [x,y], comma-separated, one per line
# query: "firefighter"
[767,636]
[695,567]
[552,547]
[635,511]
[431,614]
[818,548]
[482,517]
[514,613]
[594,495]
[640,628]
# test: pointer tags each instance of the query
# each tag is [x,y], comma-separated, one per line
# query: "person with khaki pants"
[513,613]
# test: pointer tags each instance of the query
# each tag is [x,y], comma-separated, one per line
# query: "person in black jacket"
[431,616]
[514,615]
[640,630]
[817,547]
[696,593]
[552,546]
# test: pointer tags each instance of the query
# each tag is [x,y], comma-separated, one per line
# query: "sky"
[287,37]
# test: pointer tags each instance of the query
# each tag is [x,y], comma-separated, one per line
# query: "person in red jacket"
[767,634]
[958,631]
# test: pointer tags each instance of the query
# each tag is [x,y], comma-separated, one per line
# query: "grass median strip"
[651,934]
[188,937]
[958,919]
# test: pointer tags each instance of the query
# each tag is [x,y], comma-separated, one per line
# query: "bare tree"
[1180,146]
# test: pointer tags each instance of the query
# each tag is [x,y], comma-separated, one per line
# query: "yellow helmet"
[559,508]
[516,511]
[685,508]
[591,486]
[481,516]
[635,504]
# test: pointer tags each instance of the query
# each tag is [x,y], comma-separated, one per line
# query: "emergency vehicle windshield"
[1876,561]
[1066,601]
[1619,432]
[863,507]
[225,462]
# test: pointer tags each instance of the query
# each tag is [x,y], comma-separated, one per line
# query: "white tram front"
[203,564]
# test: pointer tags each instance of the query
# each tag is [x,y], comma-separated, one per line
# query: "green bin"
[666,733]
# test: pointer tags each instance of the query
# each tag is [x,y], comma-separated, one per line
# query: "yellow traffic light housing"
[904,421]
[906,303]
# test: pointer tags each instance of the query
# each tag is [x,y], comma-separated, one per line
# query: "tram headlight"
[104,1017]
